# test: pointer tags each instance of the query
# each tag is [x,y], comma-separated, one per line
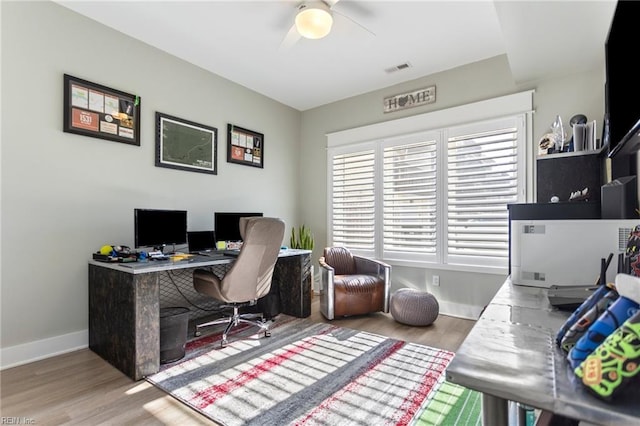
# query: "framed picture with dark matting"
[185,145]
[245,146]
[98,111]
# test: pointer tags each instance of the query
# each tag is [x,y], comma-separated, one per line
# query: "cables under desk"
[176,289]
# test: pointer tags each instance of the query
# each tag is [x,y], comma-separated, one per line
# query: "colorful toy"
[623,308]
[615,363]
[578,329]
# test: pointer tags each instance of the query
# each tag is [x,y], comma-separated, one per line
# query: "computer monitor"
[201,241]
[159,228]
[227,225]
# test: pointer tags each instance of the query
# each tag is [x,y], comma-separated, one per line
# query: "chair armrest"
[325,265]
[368,266]
[327,288]
[379,269]
[326,276]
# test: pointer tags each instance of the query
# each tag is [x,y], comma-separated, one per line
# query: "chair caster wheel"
[267,334]
[223,343]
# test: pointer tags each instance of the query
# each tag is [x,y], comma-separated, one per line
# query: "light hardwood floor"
[79,388]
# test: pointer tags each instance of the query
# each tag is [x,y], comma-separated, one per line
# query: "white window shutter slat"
[410,200]
[482,179]
[353,200]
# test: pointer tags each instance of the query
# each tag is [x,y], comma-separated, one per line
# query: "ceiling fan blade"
[354,21]
[350,7]
[290,39]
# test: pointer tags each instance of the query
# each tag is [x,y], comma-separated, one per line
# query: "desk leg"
[495,411]
[292,276]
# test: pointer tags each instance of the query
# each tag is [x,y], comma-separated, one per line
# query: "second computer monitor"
[201,241]
[227,225]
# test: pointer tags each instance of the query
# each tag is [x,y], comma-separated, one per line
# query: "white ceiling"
[241,40]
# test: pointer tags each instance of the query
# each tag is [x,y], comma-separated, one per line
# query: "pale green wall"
[460,293]
[64,195]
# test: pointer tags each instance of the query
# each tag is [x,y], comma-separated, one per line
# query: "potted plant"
[303,240]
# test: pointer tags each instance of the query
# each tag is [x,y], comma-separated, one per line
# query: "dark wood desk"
[125,302]
[511,355]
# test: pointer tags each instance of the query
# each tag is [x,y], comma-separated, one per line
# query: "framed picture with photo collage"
[245,146]
[98,111]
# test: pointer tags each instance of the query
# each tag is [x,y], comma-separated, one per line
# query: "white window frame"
[376,135]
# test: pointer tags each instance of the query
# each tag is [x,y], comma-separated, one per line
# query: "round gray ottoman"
[414,307]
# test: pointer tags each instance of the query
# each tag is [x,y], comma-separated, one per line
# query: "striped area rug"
[315,374]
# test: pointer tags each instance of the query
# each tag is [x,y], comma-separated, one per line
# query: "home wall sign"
[410,99]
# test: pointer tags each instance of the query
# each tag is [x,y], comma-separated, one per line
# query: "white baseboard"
[41,349]
[460,310]
[14,356]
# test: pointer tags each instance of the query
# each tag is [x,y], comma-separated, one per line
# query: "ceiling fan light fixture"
[314,21]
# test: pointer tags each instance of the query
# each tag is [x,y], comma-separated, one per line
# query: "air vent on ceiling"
[400,67]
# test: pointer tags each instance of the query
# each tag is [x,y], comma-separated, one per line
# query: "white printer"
[545,253]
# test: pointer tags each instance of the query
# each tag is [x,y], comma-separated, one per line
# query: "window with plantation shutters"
[353,200]
[482,178]
[427,191]
[409,199]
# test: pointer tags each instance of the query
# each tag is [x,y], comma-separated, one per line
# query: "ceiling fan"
[314,20]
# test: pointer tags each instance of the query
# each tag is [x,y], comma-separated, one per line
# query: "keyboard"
[156,257]
[212,254]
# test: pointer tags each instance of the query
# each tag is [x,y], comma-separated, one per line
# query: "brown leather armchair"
[352,285]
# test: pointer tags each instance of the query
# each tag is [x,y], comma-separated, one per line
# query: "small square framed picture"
[245,146]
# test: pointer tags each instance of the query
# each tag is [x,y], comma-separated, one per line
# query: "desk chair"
[352,285]
[249,278]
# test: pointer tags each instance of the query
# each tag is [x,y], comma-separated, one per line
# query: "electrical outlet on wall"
[436,280]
